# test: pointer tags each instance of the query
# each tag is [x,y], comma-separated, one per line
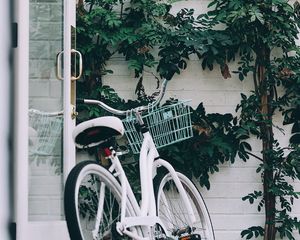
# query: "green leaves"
[232,29]
[213,143]
[112,21]
[172,59]
[289,225]
[253,196]
[295,138]
[255,14]
[251,232]
[257,28]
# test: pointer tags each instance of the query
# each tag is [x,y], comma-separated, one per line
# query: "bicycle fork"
[117,170]
[146,213]
[99,211]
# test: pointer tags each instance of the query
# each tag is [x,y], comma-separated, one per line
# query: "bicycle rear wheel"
[88,184]
[172,210]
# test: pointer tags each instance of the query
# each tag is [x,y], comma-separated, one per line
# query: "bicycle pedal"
[190,237]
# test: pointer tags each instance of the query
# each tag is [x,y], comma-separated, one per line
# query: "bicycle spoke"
[174,214]
[87,185]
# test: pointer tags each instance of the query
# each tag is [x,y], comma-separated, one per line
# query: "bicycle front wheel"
[172,210]
[92,192]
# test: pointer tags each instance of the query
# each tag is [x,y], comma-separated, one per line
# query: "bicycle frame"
[149,161]
[146,216]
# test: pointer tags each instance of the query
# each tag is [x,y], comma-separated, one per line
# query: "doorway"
[44,151]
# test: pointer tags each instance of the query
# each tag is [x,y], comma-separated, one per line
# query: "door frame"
[5,116]
[26,229]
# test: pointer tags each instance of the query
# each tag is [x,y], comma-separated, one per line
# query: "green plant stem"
[253,155]
[267,144]
[91,6]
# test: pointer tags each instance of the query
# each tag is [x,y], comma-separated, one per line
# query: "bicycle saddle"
[95,131]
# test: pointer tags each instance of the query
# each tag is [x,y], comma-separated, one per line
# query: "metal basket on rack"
[168,124]
[44,131]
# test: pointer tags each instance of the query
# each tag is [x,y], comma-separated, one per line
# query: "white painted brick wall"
[230,215]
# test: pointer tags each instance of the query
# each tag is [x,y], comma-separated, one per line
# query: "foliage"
[109,27]
[214,142]
[253,231]
[262,34]
[157,43]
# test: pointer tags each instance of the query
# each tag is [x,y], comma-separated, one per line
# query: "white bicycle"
[99,201]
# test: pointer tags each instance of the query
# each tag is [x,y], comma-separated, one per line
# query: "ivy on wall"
[263,35]
[157,43]
[259,35]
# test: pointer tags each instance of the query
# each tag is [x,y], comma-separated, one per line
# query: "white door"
[5,107]
[43,59]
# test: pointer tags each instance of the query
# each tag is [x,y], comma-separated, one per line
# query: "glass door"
[45,155]
[46,45]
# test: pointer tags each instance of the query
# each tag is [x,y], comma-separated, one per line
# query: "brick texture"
[230,215]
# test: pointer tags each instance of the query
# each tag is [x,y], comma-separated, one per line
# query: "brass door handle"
[80,65]
[59,74]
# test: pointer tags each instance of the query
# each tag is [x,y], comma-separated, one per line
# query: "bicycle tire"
[80,205]
[171,209]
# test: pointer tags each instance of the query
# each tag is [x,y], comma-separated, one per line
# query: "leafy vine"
[260,35]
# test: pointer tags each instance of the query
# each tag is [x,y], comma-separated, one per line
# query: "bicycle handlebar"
[124,112]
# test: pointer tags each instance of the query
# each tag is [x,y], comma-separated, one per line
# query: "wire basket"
[44,131]
[168,124]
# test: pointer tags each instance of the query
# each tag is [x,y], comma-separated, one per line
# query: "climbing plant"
[260,36]
[156,44]
[133,29]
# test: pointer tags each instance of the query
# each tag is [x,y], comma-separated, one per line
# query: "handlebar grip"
[79,100]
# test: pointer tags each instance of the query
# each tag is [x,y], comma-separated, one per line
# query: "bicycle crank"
[190,237]
[186,234]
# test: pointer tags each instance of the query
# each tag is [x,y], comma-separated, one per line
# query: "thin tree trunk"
[267,144]
[268,179]
[270,229]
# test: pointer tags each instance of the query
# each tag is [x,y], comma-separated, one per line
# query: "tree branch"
[253,155]
[255,77]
